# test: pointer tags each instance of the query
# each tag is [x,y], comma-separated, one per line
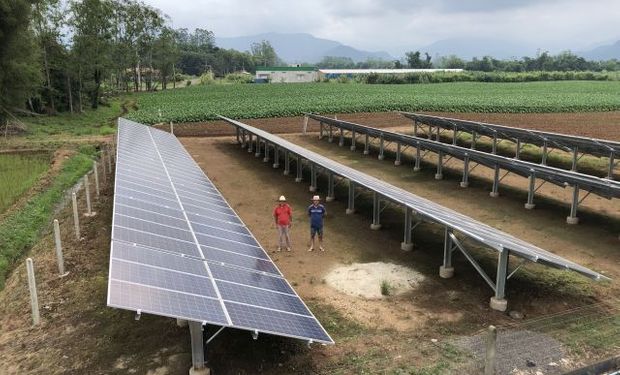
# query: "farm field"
[202,103]
[18,172]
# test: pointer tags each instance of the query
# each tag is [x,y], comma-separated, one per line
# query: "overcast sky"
[398,25]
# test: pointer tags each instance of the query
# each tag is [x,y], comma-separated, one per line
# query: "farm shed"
[286,74]
[335,73]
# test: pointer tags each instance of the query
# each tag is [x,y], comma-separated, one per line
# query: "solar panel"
[179,250]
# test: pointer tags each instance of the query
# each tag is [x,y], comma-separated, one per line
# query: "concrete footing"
[572,220]
[498,304]
[380,157]
[375,226]
[181,322]
[265,160]
[297,179]
[416,169]
[286,173]
[352,148]
[464,184]
[493,194]
[350,211]
[446,272]
[438,176]
[276,165]
[200,371]
[406,246]
[329,199]
[312,188]
[91,214]
[529,206]
[257,154]
[397,163]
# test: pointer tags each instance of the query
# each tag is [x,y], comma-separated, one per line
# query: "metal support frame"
[353,139]
[243,139]
[381,148]
[257,153]
[572,218]
[330,137]
[575,158]
[266,158]
[320,130]
[287,163]
[198,350]
[237,134]
[276,156]
[250,143]
[473,140]
[215,335]
[366,145]
[407,243]
[465,181]
[531,191]
[446,270]
[544,153]
[438,136]
[330,188]
[498,302]
[312,177]
[518,150]
[456,134]
[351,200]
[415,128]
[494,150]
[418,157]
[612,164]
[376,211]
[439,174]
[341,140]
[473,262]
[495,192]
[398,154]
[299,177]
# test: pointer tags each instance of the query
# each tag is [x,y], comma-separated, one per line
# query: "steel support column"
[495,192]
[299,175]
[276,156]
[266,158]
[610,172]
[353,140]
[531,191]
[439,174]
[415,128]
[287,163]
[573,219]
[575,158]
[250,144]
[494,150]
[438,138]
[518,150]
[446,270]
[351,202]
[330,137]
[473,140]
[366,145]
[498,302]
[418,157]
[456,130]
[320,130]
[243,139]
[465,181]
[398,154]
[198,351]
[312,177]
[407,244]
[376,212]
[257,153]
[237,133]
[381,148]
[330,188]
[544,153]
[341,140]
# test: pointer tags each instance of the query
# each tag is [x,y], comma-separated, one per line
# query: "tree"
[166,54]
[19,63]
[414,60]
[264,54]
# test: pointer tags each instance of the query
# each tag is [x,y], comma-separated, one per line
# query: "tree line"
[65,56]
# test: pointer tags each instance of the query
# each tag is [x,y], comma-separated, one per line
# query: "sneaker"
[288,249]
[321,248]
[311,249]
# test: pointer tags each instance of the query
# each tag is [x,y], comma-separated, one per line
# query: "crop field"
[202,103]
[18,173]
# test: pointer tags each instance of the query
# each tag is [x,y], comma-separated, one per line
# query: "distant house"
[286,74]
[335,73]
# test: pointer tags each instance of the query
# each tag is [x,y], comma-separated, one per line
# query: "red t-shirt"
[283,214]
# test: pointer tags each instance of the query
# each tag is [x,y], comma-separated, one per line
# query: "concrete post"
[376,212]
[198,351]
[456,133]
[341,140]
[330,134]
[381,149]
[398,155]
[531,191]
[32,286]
[439,174]
[418,157]
[305,128]
[276,156]
[473,140]
[407,244]
[498,302]
[494,151]
[575,158]
[465,181]
[495,191]
[351,202]
[76,216]
[446,270]
[610,172]
[353,140]
[250,142]
[330,188]
[366,145]
[266,158]
[96,174]
[59,258]
[287,163]
[544,153]
[572,218]
[518,150]
[257,151]
[299,174]
[489,362]
[89,208]
[312,177]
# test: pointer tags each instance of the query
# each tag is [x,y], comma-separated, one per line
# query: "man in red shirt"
[283,215]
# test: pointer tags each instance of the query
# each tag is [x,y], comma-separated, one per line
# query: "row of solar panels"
[179,250]
[598,147]
[560,177]
[482,233]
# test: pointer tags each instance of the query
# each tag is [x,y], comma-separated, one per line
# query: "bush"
[239,78]
[207,78]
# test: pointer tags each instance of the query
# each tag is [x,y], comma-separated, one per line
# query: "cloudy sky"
[398,25]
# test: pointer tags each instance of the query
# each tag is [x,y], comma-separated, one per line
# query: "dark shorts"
[314,230]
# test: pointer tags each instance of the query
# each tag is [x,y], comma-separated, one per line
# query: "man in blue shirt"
[316,212]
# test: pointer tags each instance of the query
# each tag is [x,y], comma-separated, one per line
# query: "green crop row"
[202,103]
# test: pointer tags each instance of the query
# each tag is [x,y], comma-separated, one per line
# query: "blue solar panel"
[179,250]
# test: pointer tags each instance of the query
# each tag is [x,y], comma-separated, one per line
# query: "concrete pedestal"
[312,188]
[498,304]
[350,211]
[329,199]
[375,226]
[416,169]
[438,176]
[529,206]
[366,152]
[352,148]
[406,246]
[257,154]
[380,157]
[572,220]
[493,194]
[286,173]
[397,163]
[265,160]
[446,272]
[276,165]
[93,213]
[181,322]
[464,184]
[200,371]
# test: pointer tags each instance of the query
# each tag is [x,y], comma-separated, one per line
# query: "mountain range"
[305,48]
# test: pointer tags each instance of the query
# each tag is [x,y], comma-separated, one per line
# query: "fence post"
[59,257]
[76,216]
[489,363]
[32,286]
[96,174]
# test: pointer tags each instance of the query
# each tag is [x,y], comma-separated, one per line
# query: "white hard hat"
[282,198]
[316,198]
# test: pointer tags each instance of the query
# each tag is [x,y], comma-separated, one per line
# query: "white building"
[335,73]
[286,74]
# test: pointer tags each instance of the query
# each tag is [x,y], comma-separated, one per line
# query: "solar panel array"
[480,232]
[179,250]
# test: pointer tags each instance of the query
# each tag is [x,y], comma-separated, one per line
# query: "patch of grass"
[21,229]
[386,288]
[18,172]
[338,326]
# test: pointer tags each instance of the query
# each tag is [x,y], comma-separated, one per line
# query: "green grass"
[18,172]
[199,103]
[386,288]
[20,230]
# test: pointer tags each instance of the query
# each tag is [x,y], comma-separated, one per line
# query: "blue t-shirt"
[316,214]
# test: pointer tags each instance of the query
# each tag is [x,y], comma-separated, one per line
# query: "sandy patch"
[366,279]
